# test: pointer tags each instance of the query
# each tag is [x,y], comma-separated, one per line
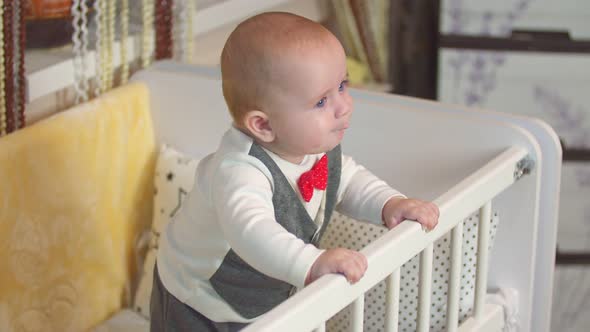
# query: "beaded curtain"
[88,83]
[164,31]
[100,28]
[12,65]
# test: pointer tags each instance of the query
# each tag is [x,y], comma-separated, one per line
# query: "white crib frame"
[182,100]
[321,300]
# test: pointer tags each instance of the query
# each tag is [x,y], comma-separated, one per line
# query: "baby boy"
[247,235]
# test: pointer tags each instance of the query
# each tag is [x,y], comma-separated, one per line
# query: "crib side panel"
[549,166]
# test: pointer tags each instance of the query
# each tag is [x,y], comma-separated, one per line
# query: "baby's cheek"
[349,100]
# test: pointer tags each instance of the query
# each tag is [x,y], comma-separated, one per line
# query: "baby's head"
[284,81]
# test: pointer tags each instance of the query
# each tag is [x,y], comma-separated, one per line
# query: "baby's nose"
[343,108]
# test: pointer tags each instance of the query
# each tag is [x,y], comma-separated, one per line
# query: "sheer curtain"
[394,42]
[363,29]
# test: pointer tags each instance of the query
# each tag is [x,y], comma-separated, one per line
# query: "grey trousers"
[168,314]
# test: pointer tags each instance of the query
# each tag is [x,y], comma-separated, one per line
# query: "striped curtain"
[12,66]
[363,29]
[394,42]
[163,28]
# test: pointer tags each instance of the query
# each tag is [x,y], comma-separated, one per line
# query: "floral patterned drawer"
[550,86]
[499,17]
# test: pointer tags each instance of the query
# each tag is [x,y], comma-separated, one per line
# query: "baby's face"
[310,107]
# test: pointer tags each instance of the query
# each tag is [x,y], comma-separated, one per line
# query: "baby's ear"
[257,123]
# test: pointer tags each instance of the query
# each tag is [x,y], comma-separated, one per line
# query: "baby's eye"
[321,103]
[342,85]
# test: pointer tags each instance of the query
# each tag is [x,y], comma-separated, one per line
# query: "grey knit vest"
[249,292]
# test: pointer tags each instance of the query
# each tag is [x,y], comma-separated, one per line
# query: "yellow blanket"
[75,190]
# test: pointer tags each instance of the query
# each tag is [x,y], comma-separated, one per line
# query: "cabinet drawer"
[573,233]
[499,17]
[554,87]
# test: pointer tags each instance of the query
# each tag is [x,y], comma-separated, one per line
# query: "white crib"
[464,159]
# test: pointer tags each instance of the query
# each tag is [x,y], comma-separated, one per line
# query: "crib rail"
[312,306]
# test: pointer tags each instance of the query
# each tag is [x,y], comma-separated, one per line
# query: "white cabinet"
[479,67]
[499,17]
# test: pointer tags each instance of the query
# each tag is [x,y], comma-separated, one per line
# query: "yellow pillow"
[76,189]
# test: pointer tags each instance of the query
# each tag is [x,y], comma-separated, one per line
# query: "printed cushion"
[173,180]
[349,233]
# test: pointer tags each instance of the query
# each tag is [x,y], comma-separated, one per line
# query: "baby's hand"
[350,263]
[398,209]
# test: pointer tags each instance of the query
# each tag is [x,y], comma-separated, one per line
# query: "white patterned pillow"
[173,180]
[349,233]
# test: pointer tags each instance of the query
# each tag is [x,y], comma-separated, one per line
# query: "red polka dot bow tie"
[316,177]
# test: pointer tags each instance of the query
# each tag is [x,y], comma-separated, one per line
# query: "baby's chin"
[326,148]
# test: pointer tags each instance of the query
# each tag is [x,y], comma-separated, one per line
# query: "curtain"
[12,66]
[395,41]
[414,47]
[362,27]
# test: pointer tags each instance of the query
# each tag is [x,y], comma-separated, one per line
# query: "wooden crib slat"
[454,278]
[425,289]
[481,279]
[358,306]
[392,284]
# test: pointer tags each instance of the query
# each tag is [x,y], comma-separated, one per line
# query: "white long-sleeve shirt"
[231,207]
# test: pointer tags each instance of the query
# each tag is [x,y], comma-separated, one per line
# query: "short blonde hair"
[250,60]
